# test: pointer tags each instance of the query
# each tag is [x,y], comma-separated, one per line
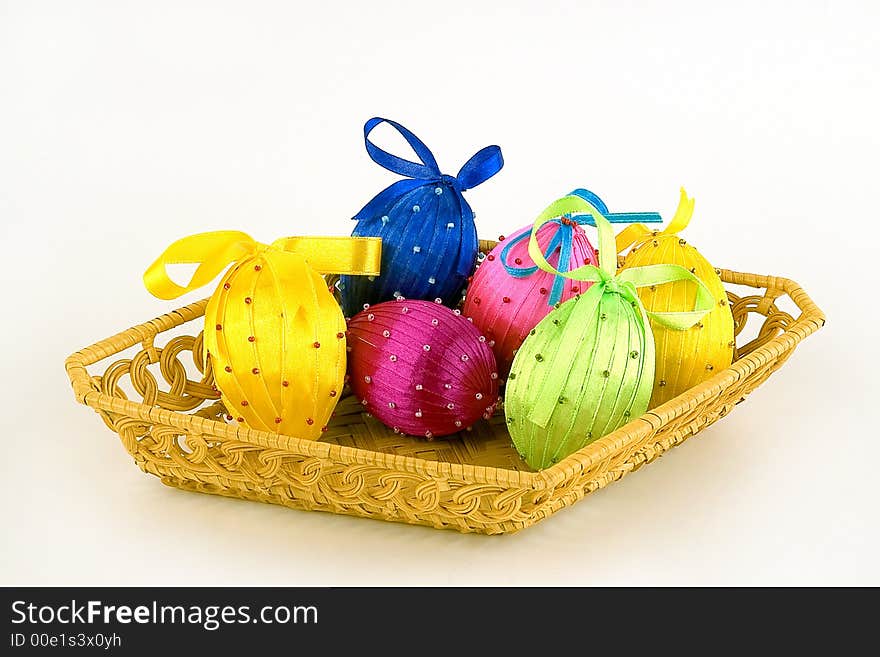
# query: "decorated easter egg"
[429,240]
[509,294]
[421,368]
[587,368]
[684,358]
[274,335]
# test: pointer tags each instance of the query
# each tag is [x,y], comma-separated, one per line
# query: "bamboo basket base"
[172,423]
[487,444]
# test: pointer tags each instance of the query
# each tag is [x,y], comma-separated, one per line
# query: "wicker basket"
[473,482]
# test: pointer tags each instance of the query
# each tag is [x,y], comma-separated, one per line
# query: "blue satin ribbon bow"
[484,164]
[564,236]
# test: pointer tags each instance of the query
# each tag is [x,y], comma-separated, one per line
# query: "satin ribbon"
[612,217]
[628,279]
[606,278]
[483,165]
[637,233]
[563,238]
[213,251]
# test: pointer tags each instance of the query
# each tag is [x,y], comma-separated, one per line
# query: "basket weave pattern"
[474,482]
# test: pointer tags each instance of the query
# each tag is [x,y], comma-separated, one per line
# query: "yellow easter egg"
[275,337]
[274,334]
[684,358]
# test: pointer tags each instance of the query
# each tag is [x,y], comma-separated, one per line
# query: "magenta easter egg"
[421,368]
[509,295]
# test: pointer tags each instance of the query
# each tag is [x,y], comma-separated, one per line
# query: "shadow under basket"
[471,482]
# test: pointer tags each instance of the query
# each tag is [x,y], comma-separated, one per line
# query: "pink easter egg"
[421,368]
[504,307]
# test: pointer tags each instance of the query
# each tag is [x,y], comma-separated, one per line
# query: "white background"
[125,125]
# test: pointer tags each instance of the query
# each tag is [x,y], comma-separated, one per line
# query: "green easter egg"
[585,370]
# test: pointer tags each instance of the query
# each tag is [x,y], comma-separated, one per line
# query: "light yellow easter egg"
[684,358]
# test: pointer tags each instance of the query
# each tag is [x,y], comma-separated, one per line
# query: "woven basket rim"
[810,320]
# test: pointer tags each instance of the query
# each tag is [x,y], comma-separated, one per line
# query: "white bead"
[432,280]
[385,219]
[428,434]
[371,278]
[491,343]
[419,386]
[434,322]
[392,358]
[479,395]
[417,249]
[392,405]
[458,423]
[464,357]
[371,317]
[438,300]
[448,386]
[457,311]
[482,338]
[368,379]
[404,310]
[416,208]
[438,190]
[426,347]
[493,375]
[450,225]
[419,413]
[366,305]
[450,406]
[386,334]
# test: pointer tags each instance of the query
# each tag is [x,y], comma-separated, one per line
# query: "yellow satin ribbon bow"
[638,233]
[274,335]
[215,250]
